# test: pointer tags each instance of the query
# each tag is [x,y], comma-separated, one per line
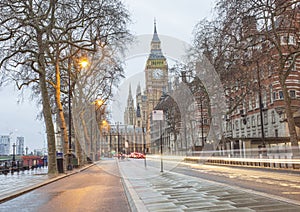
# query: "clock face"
[158,73]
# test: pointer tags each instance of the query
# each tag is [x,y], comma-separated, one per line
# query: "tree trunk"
[87,140]
[79,152]
[291,121]
[61,112]
[52,168]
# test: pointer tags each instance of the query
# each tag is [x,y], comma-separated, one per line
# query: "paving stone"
[173,192]
[271,207]
[210,208]
[160,206]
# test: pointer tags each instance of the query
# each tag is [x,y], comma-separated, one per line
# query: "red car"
[137,155]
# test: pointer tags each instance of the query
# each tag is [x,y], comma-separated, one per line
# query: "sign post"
[158,115]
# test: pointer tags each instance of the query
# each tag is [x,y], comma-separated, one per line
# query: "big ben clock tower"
[156,73]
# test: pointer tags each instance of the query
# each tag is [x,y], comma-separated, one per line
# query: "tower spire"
[155,35]
[155,32]
[138,89]
[130,94]
[155,45]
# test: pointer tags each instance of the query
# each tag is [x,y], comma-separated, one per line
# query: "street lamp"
[83,63]
[14,154]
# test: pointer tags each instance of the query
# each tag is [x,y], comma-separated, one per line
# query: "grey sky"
[175,18]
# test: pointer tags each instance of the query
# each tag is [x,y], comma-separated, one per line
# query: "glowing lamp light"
[84,62]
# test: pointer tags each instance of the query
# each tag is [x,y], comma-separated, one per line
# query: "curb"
[134,201]
[26,190]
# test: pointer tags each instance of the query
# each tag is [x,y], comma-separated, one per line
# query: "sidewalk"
[150,190]
[20,181]
[23,182]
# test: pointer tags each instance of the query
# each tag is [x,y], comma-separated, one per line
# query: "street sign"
[158,115]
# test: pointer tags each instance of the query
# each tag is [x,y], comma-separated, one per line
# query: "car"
[137,155]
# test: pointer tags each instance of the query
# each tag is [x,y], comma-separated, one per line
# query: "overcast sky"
[175,18]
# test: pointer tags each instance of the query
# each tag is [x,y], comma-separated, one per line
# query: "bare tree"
[92,84]
[277,48]
[250,41]
[37,38]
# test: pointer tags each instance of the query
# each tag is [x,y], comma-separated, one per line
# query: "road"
[285,184]
[280,183]
[98,188]
[193,187]
[180,187]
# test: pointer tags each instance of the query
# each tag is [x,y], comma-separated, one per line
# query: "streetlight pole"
[110,143]
[144,145]
[14,154]
[161,147]
[82,63]
[91,140]
[202,133]
[70,167]
[118,134]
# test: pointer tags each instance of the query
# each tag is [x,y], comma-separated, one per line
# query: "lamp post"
[82,63]
[118,148]
[91,136]
[202,131]
[144,145]
[14,154]
[70,167]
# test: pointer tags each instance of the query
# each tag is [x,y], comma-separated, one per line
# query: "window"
[284,39]
[258,120]
[271,93]
[248,122]
[242,123]
[292,40]
[293,94]
[257,101]
[266,117]
[290,65]
[287,39]
[237,125]
[250,103]
[253,121]
[273,117]
[280,95]
[228,126]
[264,99]
[274,96]
[270,70]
